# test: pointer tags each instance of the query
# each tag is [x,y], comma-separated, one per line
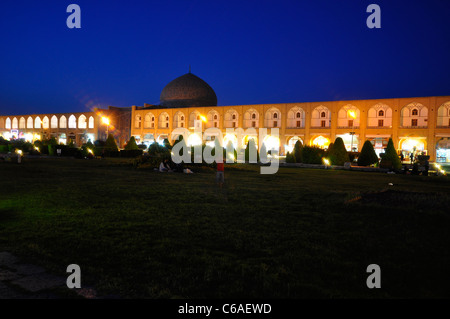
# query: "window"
[182,124]
[380,113]
[153,119]
[322,123]
[323,114]
[167,124]
[298,115]
[380,123]
[414,122]
[234,124]
[350,122]
[253,116]
[275,123]
[215,124]
[275,115]
[137,123]
[415,112]
[153,125]
[215,117]
[234,116]
[253,124]
[182,118]
[167,118]
[298,123]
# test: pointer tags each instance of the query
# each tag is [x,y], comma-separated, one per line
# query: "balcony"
[349,127]
[419,127]
[442,126]
[379,127]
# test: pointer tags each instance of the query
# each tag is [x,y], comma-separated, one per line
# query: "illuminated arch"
[63,122]
[54,122]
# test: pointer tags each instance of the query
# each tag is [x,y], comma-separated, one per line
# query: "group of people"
[164,166]
[178,168]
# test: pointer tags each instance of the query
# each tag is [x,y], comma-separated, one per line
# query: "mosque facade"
[419,125]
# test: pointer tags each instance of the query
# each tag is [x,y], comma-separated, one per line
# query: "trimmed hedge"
[131,153]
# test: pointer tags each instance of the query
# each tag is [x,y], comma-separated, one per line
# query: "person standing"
[220,178]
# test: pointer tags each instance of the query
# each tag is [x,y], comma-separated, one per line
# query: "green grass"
[300,233]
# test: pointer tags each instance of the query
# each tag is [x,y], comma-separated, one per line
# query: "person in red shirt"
[220,178]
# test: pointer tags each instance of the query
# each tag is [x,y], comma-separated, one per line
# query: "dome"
[188,90]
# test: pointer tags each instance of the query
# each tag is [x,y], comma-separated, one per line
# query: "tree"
[312,155]
[338,154]
[250,150]
[111,144]
[167,144]
[390,157]
[298,151]
[131,145]
[368,155]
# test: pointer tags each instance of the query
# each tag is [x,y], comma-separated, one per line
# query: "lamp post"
[106,121]
[353,116]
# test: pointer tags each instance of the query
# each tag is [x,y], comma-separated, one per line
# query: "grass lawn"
[300,233]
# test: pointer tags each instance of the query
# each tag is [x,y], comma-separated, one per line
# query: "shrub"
[111,144]
[367,155]
[298,151]
[338,154]
[312,155]
[131,153]
[131,145]
[251,149]
[390,159]
[290,158]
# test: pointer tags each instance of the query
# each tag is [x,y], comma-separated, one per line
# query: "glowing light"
[289,148]
[36,148]
[321,142]
[194,139]
[352,114]
[326,161]
[203,118]
[19,152]
[272,142]
[90,151]
[105,120]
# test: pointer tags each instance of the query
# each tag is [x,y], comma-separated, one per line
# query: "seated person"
[162,167]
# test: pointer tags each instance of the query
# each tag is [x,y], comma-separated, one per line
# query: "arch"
[15,123]
[194,116]
[22,123]
[54,122]
[443,115]
[231,118]
[379,115]
[296,117]
[272,117]
[320,141]
[8,123]
[163,120]
[149,120]
[63,122]
[291,143]
[37,122]
[91,122]
[213,118]
[30,122]
[251,118]
[349,116]
[82,121]
[45,122]
[137,121]
[414,115]
[271,143]
[72,121]
[317,118]
[179,120]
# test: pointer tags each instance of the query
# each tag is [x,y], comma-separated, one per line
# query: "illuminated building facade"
[419,124]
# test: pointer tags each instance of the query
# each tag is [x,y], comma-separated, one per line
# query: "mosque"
[416,124]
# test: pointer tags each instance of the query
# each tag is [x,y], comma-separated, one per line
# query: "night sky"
[250,52]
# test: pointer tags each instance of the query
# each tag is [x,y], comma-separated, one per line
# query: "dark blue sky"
[248,51]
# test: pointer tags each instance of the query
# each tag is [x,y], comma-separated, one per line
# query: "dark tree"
[368,155]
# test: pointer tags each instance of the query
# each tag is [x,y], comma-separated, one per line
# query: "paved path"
[26,281]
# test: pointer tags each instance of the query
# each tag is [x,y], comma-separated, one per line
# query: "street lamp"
[106,121]
[352,114]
